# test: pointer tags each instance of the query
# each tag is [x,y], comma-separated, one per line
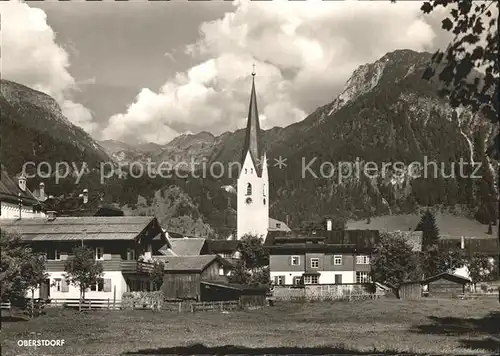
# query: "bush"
[152,300]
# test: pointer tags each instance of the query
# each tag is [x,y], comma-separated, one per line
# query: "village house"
[17,201]
[328,257]
[120,243]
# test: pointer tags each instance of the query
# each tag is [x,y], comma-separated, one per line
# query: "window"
[226,255]
[98,287]
[337,260]
[279,280]
[264,190]
[246,171]
[221,271]
[362,260]
[314,262]
[297,281]
[130,254]
[295,260]
[99,253]
[338,279]
[249,189]
[362,277]
[251,170]
[58,284]
[311,279]
[278,226]
[53,255]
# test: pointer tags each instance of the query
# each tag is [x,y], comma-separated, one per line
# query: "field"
[428,326]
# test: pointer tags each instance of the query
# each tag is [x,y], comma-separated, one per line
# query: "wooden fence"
[214,306]
[350,292]
[108,304]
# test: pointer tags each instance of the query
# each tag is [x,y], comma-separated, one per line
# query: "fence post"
[90,304]
[180,307]
[108,303]
[192,308]
[114,296]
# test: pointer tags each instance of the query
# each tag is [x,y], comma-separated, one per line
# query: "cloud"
[31,56]
[304,52]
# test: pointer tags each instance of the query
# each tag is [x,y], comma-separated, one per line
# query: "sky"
[150,71]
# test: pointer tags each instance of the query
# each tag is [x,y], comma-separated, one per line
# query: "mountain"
[35,130]
[386,113]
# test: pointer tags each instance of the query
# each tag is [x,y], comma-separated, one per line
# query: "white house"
[17,201]
[117,242]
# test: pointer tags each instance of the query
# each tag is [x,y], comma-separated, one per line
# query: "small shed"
[219,291]
[184,274]
[445,285]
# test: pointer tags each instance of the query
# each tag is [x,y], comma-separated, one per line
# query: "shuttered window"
[64,286]
[107,285]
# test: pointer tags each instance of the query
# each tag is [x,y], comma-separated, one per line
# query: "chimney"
[328,224]
[42,191]
[462,243]
[85,196]
[21,180]
[51,215]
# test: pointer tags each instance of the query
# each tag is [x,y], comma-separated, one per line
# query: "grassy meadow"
[425,326]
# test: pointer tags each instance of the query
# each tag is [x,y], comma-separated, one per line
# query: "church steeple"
[252,135]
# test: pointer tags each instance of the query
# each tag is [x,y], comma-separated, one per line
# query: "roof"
[273,225]
[188,263]
[78,228]
[335,240]
[478,245]
[252,134]
[9,190]
[450,226]
[219,246]
[187,246]
[74,206]
[448,276]
[414,238]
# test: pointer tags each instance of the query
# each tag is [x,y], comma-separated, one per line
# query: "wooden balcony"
[107,265]
[136,267]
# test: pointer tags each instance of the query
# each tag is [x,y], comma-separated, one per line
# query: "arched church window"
[246,171]
[264,190]
[251,170]
[264,201]
[249,189]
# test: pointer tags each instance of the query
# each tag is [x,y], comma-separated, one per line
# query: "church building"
[253,181]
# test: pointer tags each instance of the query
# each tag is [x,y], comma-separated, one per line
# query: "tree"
[33,275]
[427,225]
[157,274]
[252,269]
[480,268]
[14,256]
[253,253]
[474,46]
[83,271]
[394,261]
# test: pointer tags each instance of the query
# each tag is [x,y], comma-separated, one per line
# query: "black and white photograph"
[277,177]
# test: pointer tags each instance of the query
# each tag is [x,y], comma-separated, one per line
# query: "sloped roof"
[78,228]
[326,240]
[188,246]
[188,263]
[479,245]
[219,246]
[9,190]
[448,276]
[273,225]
